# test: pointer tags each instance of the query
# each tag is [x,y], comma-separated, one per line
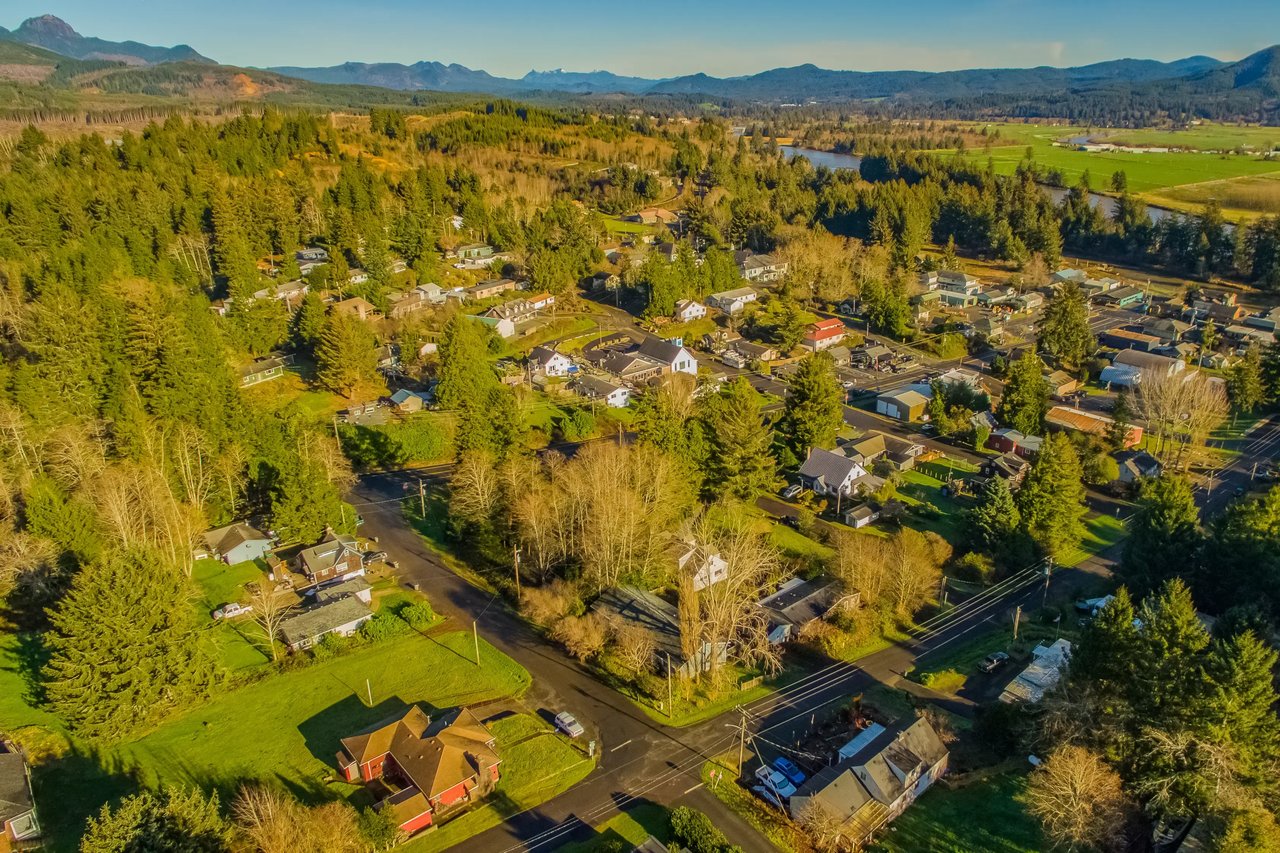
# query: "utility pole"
[336,437]
[515,560]
[670,707]
[742,738]
[475,636]
[1017,617]
[422,498]
[1048,570]
[368,691]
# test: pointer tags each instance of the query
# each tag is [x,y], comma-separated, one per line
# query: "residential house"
[925,304]
[336,556]
[541,301]
[17,804]
[903,404]
[1125,296]
[828,473]
[1268,321]
[503,327]
[824,334]
[1221,313]
[1078,420]
[753,351]
[357,276]
[997,296]
[473,252]
[799,602]
[1040,676]
[1128,338]
[364,414]
[1166,329]
[631,367]
[1137,466]
[431,768]
[356,306]
[1126,370]
[755,267]
[969,379]
[872,355]
[264,369]
[388,357]
[342,616]
[356,587]
[668,251]
[881,772]
[688,309]
[411,301]
[1061,383]
[706,567]
[1009,467]
[315,255]
[900,453]
[733,301]
[637,608]
[489,288]
[605,281]
[1029,301]
[596,388]
[1065,275]
[1095,288]
[1245,335]
[548,362]
[654,216]
[957,289]
[236,543]
[1007,440]
[989,328]
[672,355]
[407,402]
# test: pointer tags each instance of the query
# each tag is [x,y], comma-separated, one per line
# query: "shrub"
[380,828]
[975,567]
[383,626]
[546,605]
[330,645]
[584,637]
[694,830]
[418,615]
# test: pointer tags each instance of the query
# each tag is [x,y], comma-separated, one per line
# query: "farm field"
[1204,137]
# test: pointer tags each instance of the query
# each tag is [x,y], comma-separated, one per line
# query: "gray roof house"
[342,616]
[828,473]
[236,543]
[17,806]
[641,609]
[881,772]
[799,602]
[673,357]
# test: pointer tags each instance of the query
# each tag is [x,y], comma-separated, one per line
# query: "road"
[639,758]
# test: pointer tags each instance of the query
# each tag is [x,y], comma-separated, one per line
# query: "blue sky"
[656,38]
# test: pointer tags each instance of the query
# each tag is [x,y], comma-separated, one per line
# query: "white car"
[228,611]
[569,724]
[775,781]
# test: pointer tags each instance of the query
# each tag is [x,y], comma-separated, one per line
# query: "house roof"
[1041,674]
[908,397]
[685,304]
[626,365]
[595,386]
[659,350]
[1077,419]
[875,443]
[802,602]
[831,468]
[1058,378]
[736,293]
[332,550]
[1143,360]
[544,355]
[377,740]
[751,349]
[1139,462]
[319,620]
[879,767]
[357,304]
[643,609]
[404,394]
[223,539]
[351,586]
[1034,443]
[15,793]
[454,754]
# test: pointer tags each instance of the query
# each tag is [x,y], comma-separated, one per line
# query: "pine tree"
[1064,332]
[1106,653]
[741,465]
[466,376]
[1051,499]
[1121,422]
[1164,535]
[815,408]
[308,324]
[1244,383]
[125,650]
[346,355]
[995,518]
[175,820]
[1026,395]
[1241,707]
[1169,685]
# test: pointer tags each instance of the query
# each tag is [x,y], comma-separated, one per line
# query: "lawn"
[626,830]
[1100,533]
[985,816]
[947,669]
[537,765]
[1203,137]
[235,642]
[284,728]
[765,818]
[924,485]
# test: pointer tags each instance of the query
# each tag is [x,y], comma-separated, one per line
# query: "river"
[832,160]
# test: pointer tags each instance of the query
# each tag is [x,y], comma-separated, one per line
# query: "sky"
[662,38]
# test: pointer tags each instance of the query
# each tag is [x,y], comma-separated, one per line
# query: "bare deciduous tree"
[1078,799]
[825,829]
[474,490]
[271,821]
[1181,410]
[270,608]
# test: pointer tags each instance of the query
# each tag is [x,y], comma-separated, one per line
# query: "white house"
[688,309]
[828,473]
[550,362]
[672,355]
[236,543]
[596,388]
[733,301]
[707,567]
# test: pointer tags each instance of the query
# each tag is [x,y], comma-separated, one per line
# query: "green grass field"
[537,764]
[1204,137]
[237,642]
[983,816]
[626,830]
[283,729]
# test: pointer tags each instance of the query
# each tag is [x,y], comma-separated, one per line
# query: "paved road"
[641,759]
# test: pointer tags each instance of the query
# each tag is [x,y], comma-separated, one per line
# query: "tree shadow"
[30,654]
[322,733]
[74,787]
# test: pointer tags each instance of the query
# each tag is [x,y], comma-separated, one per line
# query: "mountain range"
[1249,88]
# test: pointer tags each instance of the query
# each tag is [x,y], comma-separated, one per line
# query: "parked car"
[775,781]
[788,768]
[790,492]
[569,724]
[768,796]
[229,611]
[373,557]
[993,661]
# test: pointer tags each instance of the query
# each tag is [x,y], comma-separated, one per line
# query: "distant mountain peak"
[52,33]
[49,25]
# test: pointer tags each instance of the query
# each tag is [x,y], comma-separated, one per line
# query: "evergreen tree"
[346,355]
[466,376]
[1245,384]
[1108,647]
[173,821]
[1170,684]
[1051,499]
[740,463]
[124,648]
[1164,535]
[995,519]
[1241,707]
[1026,395]
[308,324]
[1121,422]
[815,407]
[1064,332]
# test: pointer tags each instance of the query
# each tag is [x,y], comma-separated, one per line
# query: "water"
[831,160]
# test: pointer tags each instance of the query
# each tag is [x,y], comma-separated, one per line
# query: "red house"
[429,768]
[824,334]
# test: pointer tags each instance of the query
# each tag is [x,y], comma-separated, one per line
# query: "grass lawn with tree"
[986,815]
